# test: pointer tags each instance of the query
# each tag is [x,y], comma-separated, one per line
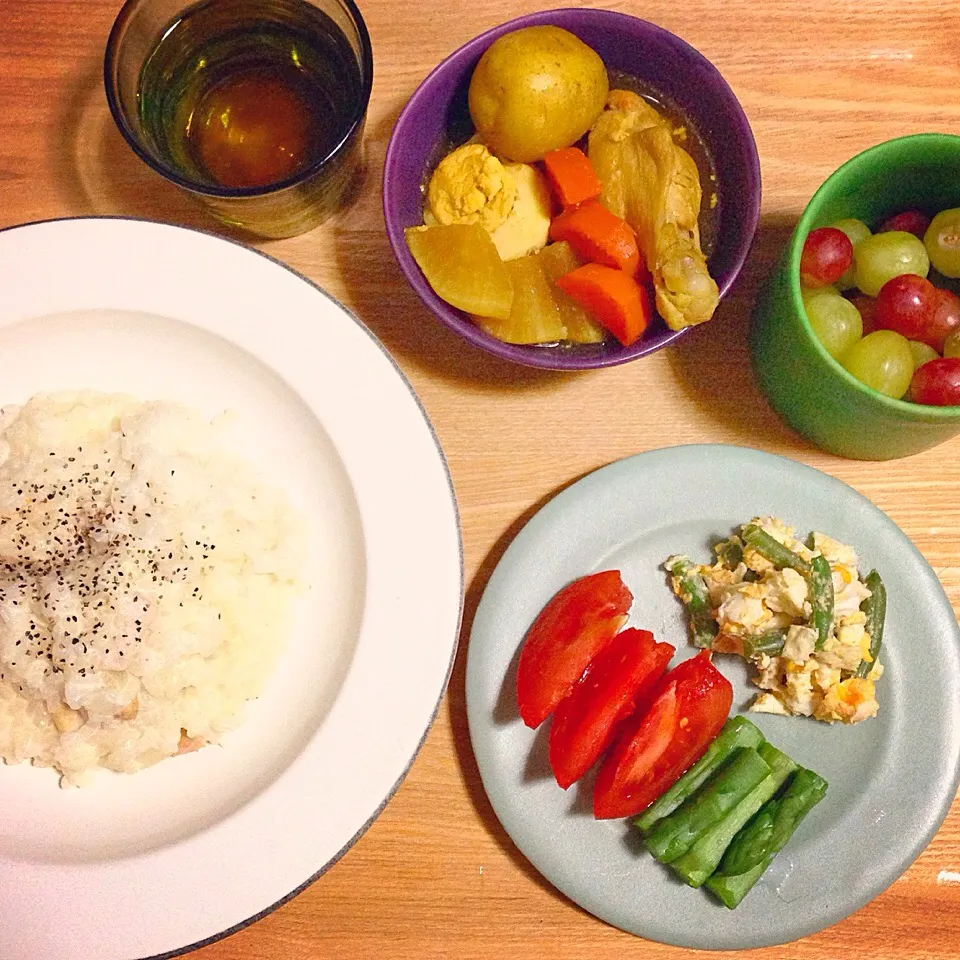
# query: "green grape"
[835,320]
[922,352]
[882,360]
[856,230]
[942,241]
[883,256]
[951,346]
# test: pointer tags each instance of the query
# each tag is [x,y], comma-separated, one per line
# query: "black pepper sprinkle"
[87,550]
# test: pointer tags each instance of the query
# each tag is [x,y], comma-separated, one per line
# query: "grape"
[856,230]
[937,383]
[906,304]
[883,256]
[882,360]
[868,311]
[922,352]
[942,241]
[827,254]
[951,346]
[911,221]
[944,319]
[835,320]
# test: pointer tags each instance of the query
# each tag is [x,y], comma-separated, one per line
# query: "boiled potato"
[534,90]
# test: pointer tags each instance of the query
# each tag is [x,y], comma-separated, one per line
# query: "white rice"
[146,583]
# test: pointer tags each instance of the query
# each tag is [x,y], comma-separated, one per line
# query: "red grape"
[868,311]
[905,304]
[944,319]
[827,253]
[910,221]
[937,383]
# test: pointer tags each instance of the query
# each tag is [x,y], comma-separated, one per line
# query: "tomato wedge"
[569,632]
[617,680]
[687,709]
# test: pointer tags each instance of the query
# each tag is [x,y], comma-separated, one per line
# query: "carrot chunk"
[571,176]
[612,297]
[598,235]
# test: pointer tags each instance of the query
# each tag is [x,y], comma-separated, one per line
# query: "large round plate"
[891,778]
[151,864]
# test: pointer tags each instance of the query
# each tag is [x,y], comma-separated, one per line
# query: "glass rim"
[212,190]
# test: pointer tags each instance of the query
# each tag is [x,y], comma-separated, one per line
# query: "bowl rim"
[903,409]
[534,355]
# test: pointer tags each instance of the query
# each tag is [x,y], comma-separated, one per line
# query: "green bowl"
[804,384]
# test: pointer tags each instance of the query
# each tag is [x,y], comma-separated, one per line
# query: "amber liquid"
[246,95]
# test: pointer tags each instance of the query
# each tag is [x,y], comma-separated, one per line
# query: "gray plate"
[892,778]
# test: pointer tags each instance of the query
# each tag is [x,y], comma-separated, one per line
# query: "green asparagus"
[696,598]
[703,857]
[736,732]
[674,835]
[821,598]
[731,890]
[772,550]
[875,607]
[765,835]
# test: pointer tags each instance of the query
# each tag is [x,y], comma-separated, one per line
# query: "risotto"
[147,579]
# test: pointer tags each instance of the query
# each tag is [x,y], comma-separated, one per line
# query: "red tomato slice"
[617,680]
[570,631]
[689,706]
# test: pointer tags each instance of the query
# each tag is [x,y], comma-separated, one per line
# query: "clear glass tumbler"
[160,53]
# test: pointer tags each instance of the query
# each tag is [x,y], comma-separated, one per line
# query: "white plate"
[188,850]
[892,778]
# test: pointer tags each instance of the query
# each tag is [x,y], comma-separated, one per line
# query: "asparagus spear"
[731,890]
[674,835]
[703,857]
[875,607]
[774,551]
[765,835]
[736,732]
[821,598]
[695,596]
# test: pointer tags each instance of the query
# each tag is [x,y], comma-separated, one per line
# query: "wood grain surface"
[820,80]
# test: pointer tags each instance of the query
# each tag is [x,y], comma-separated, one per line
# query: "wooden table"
[436,876]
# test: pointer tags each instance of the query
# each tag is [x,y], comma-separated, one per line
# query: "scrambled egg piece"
[765,614]
[470,185]
[527,227]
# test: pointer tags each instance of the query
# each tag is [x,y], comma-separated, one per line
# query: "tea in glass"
[257,107]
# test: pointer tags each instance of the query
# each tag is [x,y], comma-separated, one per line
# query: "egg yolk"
[252,130]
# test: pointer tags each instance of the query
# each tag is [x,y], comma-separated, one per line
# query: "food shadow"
[712,363]
[538,767]
[504,710]
[102,176]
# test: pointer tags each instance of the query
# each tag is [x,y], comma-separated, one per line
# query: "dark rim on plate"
[491,660]
[576,357]
[249,921]
[208,189]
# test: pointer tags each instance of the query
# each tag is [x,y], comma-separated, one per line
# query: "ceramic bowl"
[437,115]
[810,390]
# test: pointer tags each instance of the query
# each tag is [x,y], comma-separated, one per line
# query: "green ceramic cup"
[808,388]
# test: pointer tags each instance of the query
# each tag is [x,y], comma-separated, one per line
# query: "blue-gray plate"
[892,778]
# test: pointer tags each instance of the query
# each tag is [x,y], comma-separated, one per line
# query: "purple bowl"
[625,43]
